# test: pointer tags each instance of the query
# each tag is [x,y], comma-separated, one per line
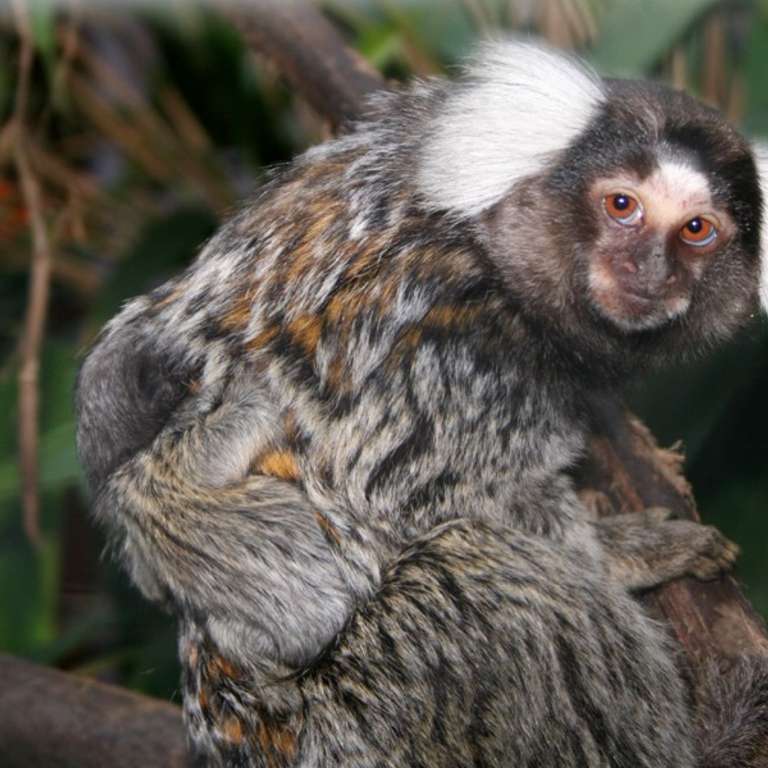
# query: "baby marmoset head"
[625,214]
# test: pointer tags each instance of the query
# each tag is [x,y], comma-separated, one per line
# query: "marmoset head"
[625,207]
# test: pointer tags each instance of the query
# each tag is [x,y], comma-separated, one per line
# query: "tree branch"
[40,277]
[50,719]
[710,619]
[309,53]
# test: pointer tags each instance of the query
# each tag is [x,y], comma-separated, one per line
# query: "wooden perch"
[54,719]
[309,53]
[710,619]
[50,719]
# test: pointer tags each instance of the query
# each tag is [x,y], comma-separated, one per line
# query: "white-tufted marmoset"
[336,445]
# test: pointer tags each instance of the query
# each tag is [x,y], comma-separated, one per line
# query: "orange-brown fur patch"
[404,346]
[353,293]
[281,464]
[321,215]
[276,741]
[225,667]
[447,316]
[306,330]
[239,314]
[345,305]
[411,338]
[329,529]
[442,316]
[301,257]
[261,339]
[232,729]
[363,265]
[334,378]
[176,294]
[387,294]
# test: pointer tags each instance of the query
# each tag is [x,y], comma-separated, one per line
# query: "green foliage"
[42,17]
[164,246]
[754,68]
[634,35]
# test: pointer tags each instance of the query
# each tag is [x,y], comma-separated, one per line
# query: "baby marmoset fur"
[335,446]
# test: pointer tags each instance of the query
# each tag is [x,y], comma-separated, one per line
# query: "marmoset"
[337,445]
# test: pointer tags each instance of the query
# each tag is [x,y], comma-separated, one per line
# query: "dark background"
[146,127]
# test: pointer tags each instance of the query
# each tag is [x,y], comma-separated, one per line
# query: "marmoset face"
[672,197]
[656,237]
[646,228]
[624,216]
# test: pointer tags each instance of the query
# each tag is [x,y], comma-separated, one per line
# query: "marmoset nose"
[652,269]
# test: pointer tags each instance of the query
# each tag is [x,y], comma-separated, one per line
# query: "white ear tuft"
[518,105]
[761,159]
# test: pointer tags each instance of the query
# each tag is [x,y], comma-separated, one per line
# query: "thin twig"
[715,69]
[184,120]
[49,165]
[165,137]
[37,301]
[679,67]
[121,130]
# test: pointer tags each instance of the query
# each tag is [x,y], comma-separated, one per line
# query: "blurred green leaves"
[42,18]
[636,34]
[163,247]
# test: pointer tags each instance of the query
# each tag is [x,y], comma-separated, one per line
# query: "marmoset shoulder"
[336,446]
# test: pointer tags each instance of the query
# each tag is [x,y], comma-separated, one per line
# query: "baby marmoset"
[335,446]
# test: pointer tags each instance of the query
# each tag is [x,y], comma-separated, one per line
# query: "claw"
[720,555]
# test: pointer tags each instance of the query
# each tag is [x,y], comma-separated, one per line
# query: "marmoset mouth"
[632,311]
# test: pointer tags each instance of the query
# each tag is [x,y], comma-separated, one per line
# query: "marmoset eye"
[698,232]
[623,208]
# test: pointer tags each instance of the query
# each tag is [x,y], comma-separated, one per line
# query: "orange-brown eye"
[622,208]
[698,232]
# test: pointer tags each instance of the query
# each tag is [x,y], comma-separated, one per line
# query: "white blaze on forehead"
[520,105]
[673,193]
[761,158]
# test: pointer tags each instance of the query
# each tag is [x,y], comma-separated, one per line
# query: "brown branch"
[626,465]
[710,619]
[309,53]
[51,718]
[37,302]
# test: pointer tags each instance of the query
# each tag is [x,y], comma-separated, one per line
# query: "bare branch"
[309,53]
[51,718]
[710,619]
[37,301]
